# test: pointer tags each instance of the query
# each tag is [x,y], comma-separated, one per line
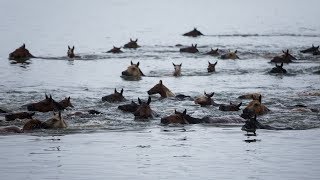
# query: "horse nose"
[125,73]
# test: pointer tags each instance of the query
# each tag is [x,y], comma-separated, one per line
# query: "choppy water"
[259,30]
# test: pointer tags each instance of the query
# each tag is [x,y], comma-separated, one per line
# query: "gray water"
[115,146]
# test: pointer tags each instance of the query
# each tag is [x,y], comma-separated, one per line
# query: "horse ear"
[191,45]
[139,100]
[281,64]
[138,64]
[211,49]
[180,64]
[121,91]
[211,94]
[260,97]
[216,63]
[46,96]
[173,64]
[175,111]
[160,82]
[236,51]
[239,105]
[69,98]
[209,62]
[184,112]
[115,90]
[149,100]
[217,49]
[195,45]
[205,93]
[131,63]
[69,47]
[287,51]
[23,46]
[50,96]
[130,40]
[72,48]
[283,51]
[136,40]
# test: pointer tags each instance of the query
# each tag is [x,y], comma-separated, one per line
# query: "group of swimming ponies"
[142,109]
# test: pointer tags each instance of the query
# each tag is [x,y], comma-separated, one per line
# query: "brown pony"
[32,124]
[230,55]
[255,107]
[205,100]
[133,71]
[55,122]
[115,50]
[21,54]
[132,44]
[176,118]
[19,115]
[143,111]
[212,67]
[213,52]
[46,105]
[11,129]
[253,96]
[177,69]
[161,89]
[193,33]
[190,49]
[115,97]
[66,102]
[230,107]
[286,57]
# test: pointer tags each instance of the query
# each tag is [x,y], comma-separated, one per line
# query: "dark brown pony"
[286,57]
[230,55]
[254,107]
[193,33]
[205,100]
[46,105]
[19,115]
[161,89]
[213,52]
[190,49]
[21,54]
[311,50]
[278,69]
[132,107]
[115,50]
[230,107]
[115,97]
[143,111]
[132,44]
[212,67]
[251,125]
[177,69]
[133,71]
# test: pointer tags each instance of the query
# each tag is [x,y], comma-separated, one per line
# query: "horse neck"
[166,92]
